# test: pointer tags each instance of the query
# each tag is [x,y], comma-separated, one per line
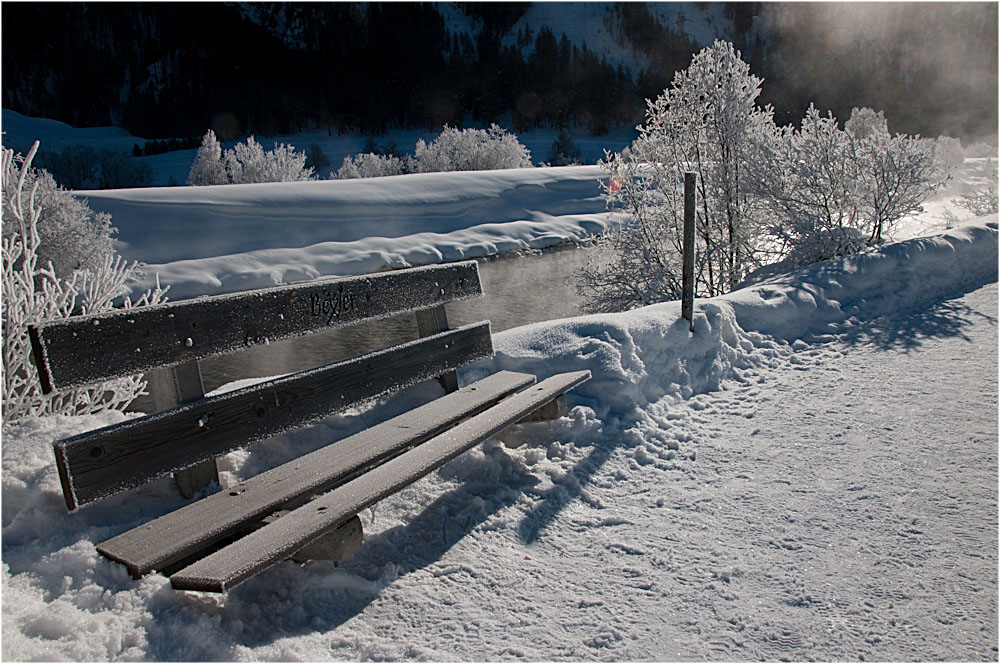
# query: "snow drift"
[219,239]
[636,357]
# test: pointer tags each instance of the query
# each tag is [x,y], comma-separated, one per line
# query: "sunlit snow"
[809,475]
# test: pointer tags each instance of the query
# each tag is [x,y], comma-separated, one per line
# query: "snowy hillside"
[810,475]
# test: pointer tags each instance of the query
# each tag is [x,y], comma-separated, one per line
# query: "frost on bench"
[104,462]
[87,349]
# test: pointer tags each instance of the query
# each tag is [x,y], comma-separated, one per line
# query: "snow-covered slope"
[810,474]
[20,131]
[204,240]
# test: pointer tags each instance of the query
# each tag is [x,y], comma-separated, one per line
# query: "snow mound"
[637,357]
[221,239]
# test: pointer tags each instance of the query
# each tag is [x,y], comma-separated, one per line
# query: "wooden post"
[687,277]
[171,387]
[430,322]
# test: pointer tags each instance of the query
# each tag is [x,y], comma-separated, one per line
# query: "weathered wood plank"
[87,349]
[196,527]
[276,541]
[126,455]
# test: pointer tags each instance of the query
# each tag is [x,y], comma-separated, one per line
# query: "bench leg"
[335,545]
[430,322]
[171,387]
[191,480]
[553,410]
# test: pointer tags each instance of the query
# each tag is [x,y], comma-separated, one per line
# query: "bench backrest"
[89,349]
[83,350]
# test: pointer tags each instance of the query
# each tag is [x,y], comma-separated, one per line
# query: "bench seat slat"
[127,455]
[82,350]
[195,527]
[259,550]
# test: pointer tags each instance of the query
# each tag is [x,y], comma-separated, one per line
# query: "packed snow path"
[846,509]
[843,506]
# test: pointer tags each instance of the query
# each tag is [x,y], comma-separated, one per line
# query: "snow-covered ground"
[811,474]
[206,240]
[209,240]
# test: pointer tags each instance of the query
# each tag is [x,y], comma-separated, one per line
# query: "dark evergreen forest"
[164,70]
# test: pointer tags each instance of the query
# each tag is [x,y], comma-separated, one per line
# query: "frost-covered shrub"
[638,260]
[809,182]
[82,167]
[825,243]
[471,150]
[371,165]
[897,174]
[71,236]
[247,163]
[33,292]
[982,201]
[826,187]
[208,167]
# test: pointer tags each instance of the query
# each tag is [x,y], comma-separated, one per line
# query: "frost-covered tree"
[897,173]
[247,163]
[208,167]
[371,165]
[317,160]
[33,292]
[71,235]
[471,150]
[706,122]
[564,151]
[949,155]
[865,122]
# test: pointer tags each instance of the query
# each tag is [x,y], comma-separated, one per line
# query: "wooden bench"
[306,508]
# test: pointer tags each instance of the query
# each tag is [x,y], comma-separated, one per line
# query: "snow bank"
[63,601]
[206,240]
[638,356]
